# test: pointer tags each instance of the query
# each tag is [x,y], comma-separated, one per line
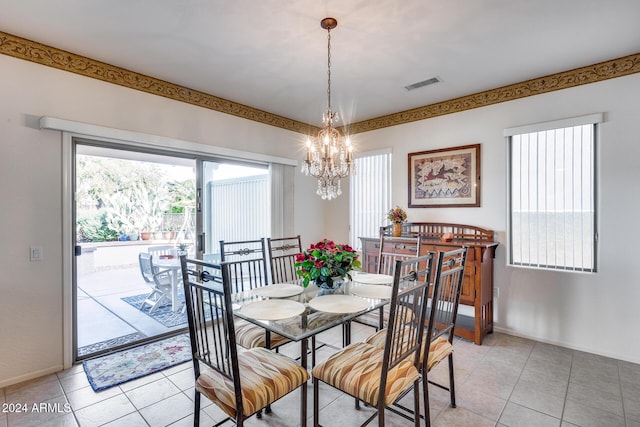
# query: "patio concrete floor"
[103,319]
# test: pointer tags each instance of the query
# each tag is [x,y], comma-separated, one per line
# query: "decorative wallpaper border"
[50,56]
[590,74]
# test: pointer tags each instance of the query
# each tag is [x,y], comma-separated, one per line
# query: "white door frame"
[72,129]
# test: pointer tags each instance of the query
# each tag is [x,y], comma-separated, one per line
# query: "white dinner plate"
[372,279]
[372,291]
[278,290]
[272,309]
[339,304]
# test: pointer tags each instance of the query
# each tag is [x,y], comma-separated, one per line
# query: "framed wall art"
[449,177]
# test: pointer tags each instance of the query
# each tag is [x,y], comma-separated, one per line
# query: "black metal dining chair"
[282,258]
[392,249]
[380,376]
[240,382]
[441,322]
[244,275]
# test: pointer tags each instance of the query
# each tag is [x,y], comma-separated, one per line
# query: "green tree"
[127,195]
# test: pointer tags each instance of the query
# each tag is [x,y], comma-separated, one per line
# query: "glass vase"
[396,230]
[325,289]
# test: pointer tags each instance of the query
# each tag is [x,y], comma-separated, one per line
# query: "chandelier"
[329,156]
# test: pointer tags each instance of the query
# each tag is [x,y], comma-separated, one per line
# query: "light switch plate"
[35,253]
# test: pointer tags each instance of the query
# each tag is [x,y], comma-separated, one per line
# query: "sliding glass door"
[129,204]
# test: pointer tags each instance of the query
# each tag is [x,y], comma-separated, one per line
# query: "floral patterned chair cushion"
[265,377]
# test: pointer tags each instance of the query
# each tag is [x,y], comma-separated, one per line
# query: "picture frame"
[447,177]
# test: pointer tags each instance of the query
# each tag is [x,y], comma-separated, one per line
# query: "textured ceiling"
[271,55]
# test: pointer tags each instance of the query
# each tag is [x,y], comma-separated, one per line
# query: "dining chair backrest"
[246,274]
[393,249]
[407,314]
[448,279]
[210,318]
[245,249]
[247,263]
[282,257]
[163,250]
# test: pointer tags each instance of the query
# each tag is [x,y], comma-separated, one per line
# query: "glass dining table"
[299,313]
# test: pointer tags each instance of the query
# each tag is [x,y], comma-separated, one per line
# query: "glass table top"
[322,309]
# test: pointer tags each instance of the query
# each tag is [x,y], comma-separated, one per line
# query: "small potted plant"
[397,216]
[182,248]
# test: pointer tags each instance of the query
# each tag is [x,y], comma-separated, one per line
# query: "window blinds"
[552,197]
[370,195]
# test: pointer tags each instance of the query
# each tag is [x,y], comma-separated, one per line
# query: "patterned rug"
[114,342]
[162,313]
[107,371]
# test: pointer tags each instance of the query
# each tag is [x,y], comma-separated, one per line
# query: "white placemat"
[372,291]
[278,290]
[339,304]
[372,279]
[272,309]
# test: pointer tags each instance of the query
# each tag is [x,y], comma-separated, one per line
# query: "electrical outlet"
[35,253]
[496,292]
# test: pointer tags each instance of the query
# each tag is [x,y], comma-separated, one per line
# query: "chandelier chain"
[329,72]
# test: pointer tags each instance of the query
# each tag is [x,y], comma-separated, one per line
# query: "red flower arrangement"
[325,262]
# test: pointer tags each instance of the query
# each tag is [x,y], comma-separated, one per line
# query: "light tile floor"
[508,381]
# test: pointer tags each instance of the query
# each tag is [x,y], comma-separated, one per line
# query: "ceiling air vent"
[427,82]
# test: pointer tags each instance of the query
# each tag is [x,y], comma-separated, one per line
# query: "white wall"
[597,312]
[592,312]
[31,188]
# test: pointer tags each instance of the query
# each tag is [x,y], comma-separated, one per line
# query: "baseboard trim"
[30,376]
[565,345]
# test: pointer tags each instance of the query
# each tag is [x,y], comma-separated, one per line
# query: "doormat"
[113,369]
[162,314]
[114,342]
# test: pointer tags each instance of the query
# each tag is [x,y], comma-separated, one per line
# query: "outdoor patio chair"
[381,376]
[163,250]
[159,280]
[240,382]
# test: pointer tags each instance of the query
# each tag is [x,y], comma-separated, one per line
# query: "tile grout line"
[566,392]
[514,387]
[624,411]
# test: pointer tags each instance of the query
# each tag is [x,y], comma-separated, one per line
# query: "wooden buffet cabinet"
[477,286]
